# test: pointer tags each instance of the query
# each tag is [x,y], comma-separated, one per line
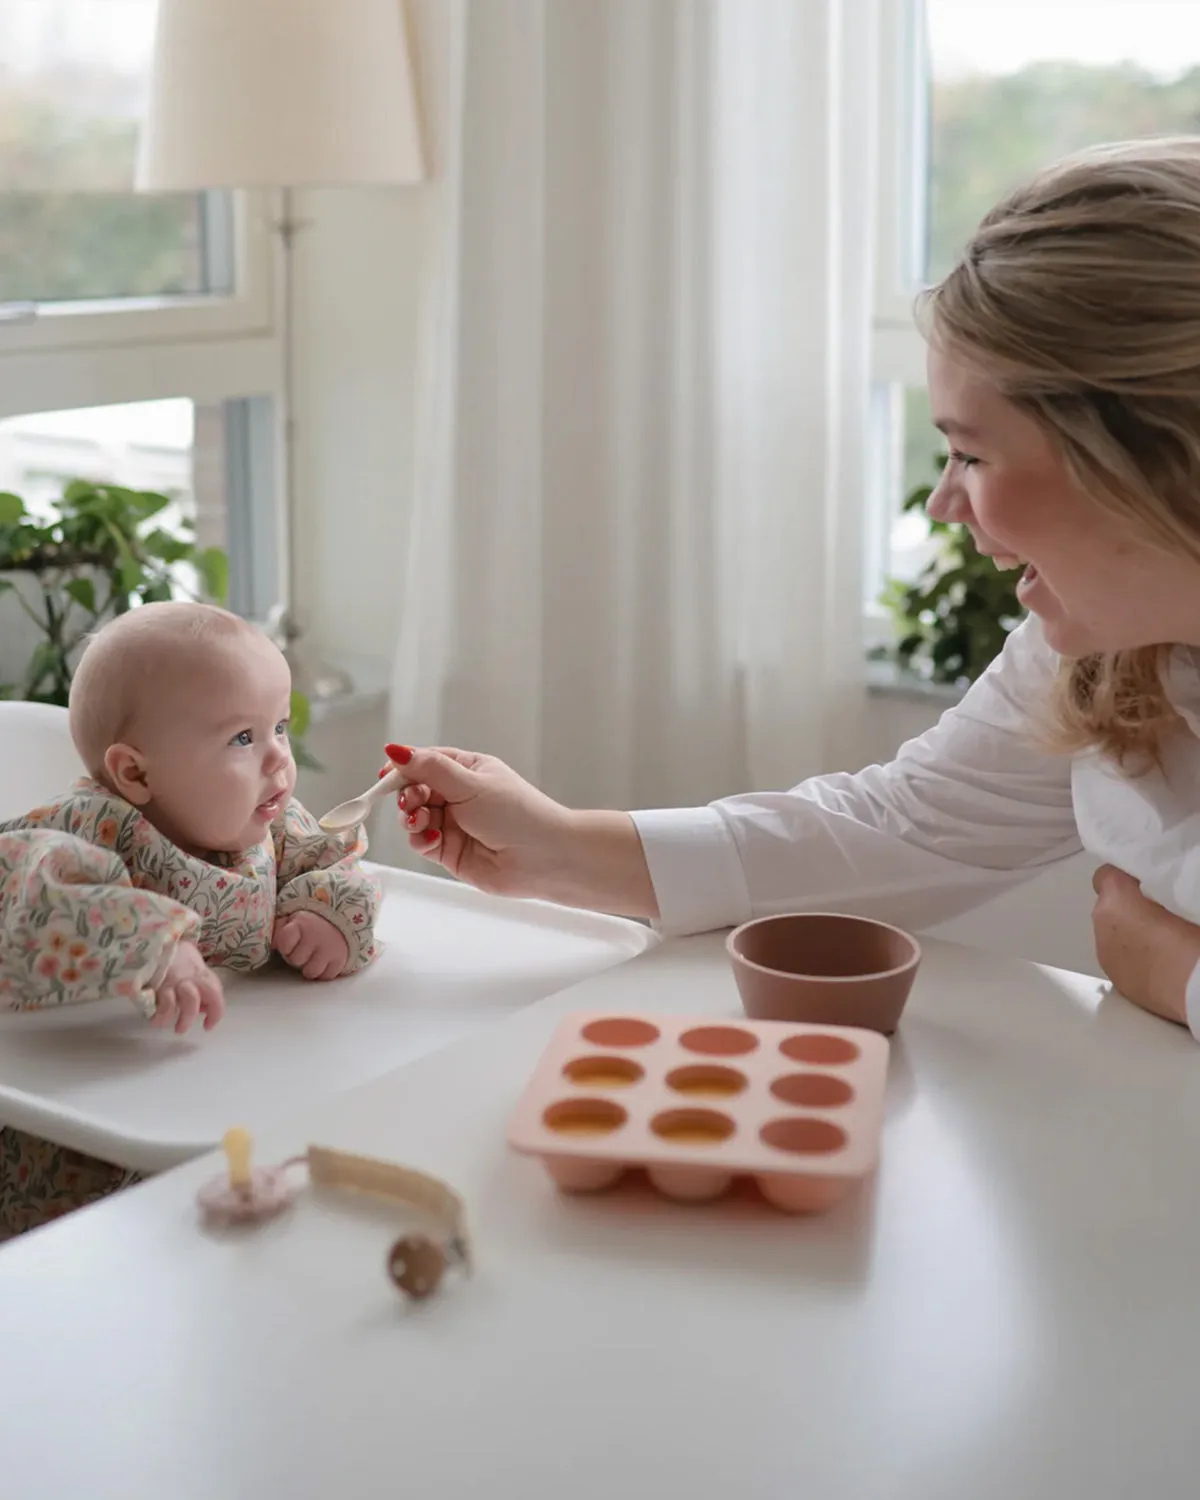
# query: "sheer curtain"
[633,567]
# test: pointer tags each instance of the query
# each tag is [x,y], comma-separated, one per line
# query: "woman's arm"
[1151,956]
[961,814]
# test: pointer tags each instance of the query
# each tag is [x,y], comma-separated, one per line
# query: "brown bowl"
[822,968]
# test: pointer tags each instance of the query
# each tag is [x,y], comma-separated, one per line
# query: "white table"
[97,1078]
[1008,1313]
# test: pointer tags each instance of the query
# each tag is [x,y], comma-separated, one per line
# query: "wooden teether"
[416,1263]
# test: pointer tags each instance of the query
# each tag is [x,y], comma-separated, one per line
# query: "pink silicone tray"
[697,1102]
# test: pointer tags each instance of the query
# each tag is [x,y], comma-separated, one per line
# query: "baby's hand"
[188,990]
[311,944]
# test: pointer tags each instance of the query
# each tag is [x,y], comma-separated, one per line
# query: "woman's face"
[1096,587]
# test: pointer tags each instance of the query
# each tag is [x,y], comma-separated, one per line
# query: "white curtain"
[633,568]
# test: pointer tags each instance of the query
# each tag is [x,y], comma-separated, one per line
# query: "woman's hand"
[1147,952]
[488,826]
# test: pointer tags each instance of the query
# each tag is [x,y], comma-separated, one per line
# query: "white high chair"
[96,1078]
[37,759]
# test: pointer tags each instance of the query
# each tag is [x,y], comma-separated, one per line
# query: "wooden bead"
[417,1265]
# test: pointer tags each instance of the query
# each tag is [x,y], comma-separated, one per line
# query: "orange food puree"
[693,1135]
[601,1079]
[584,1126]
[714,1088]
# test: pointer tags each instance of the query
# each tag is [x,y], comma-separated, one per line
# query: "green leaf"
[12,508]
[83,591]
[301,715]
[167,548]
[131,575]
[146,503]
[213,566]
[157,592]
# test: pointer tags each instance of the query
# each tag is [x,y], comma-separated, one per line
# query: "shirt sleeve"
[322,872]
[1192,1003]
[74,927]
[963,813]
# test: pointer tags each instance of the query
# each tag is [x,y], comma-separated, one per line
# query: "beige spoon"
[351,814]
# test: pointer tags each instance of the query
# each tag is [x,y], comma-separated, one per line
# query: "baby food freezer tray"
[697,1103]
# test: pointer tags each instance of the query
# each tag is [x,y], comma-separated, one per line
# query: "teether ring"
[416,1263]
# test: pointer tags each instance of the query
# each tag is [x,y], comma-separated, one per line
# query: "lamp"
[281,94]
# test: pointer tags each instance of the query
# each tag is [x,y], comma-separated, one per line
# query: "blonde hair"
[131,661]
[1079,298]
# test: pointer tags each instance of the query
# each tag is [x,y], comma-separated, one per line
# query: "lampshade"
[280,93]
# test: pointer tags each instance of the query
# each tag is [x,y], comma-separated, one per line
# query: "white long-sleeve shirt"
[963,813]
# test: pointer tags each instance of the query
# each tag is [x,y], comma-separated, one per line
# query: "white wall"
[359,279]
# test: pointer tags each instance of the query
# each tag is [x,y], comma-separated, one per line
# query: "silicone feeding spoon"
[351,814]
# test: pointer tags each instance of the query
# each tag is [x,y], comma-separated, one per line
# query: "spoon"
[351,814]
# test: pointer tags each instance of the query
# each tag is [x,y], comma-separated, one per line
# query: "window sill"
[345,706]
[368,693]
[886,680]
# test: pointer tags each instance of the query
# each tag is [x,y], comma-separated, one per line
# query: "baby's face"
[217,760]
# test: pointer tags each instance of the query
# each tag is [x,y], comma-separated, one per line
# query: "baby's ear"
[126,773]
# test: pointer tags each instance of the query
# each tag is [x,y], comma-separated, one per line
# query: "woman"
[1064,370]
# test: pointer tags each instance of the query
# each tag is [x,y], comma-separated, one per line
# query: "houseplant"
[105,550]
[952,620]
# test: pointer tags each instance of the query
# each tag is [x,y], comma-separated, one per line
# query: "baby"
[182,851]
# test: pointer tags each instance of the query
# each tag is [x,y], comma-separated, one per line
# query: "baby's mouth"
[271,806]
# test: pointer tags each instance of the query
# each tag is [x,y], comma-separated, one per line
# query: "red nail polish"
[401,754]
[411,820]
[431,835]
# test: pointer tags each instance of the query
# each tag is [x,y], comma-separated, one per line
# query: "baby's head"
[182,709]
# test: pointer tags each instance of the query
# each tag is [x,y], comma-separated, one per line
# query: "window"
[82,256]
[213,460]
[975,97]
[136,331]
[147,446]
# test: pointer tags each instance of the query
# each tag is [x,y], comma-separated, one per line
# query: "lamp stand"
[316,680]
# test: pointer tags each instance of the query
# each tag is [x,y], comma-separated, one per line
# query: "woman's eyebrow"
[955,429]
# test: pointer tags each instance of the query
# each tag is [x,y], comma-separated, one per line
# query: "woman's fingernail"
[412,820]
[431,835]
[401,754]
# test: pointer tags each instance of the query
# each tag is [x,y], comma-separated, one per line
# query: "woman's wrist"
[599,864]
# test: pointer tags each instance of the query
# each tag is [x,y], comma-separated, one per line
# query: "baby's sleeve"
[73,928]
[321,872]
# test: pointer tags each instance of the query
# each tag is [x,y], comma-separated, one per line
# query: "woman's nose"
[948,501]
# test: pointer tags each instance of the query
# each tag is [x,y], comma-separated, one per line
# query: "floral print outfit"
[94,901]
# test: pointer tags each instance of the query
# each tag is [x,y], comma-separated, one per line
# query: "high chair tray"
[99,1079]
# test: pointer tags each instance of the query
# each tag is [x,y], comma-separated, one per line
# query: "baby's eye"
[282,727]
[243,737]
[964,459]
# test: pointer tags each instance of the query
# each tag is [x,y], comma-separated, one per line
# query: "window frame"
[898,351]
[897,348]
[240,307]
[221,348]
